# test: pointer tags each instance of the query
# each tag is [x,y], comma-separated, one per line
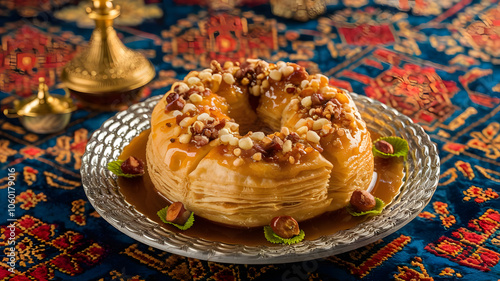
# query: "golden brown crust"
[198,154]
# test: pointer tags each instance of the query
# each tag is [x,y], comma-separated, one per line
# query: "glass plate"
[101,188]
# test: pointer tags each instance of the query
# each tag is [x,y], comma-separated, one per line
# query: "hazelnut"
[362,200]
[384,147]
[201,140]
[175,105]
[294,137]
[177,213]
[285,226]
[317,99]
[133,166]
[172,97]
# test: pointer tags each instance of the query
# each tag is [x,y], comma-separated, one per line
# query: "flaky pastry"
[241,144]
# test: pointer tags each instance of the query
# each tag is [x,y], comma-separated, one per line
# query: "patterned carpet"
[435,61]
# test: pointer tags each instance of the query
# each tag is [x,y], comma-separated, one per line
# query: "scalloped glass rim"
[100,185]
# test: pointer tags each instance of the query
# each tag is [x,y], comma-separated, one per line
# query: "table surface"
[435,61]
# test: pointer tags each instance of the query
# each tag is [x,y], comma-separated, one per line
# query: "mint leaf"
[116,168]
[400,146]
[274,238]
[379,206]
[163,214]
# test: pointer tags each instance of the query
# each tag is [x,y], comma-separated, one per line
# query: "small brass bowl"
[43,113]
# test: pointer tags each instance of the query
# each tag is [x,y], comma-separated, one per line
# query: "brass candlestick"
[106,75]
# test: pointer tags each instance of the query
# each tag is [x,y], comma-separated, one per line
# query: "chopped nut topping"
[265,84]
[318,124]
[228,78]
[200,140]
[205,75]
[187,121]
[195,98]
[217,78]
[314,84]
[342,98]
[317,99]
[257,136]
[287,70]
[275,75]
[184,138]
[312,136]
[181,88]
[234,140]
[309,149]
[300,123]
[323,79]
[233,126]
[204,117]
[287,146]
[225,139]
[285,131]
[193,80]
[238,162]
[245,143]
[306,102]
[266,140]
[302,130]
[294,137]
[256,90]
[189,107]
[174,102]
[198,127]
[237,152]
[289,88]
[291,159]
[257,156]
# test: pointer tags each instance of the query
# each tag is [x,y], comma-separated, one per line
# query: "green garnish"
[163,214]
[274,238]
[116,168]
[399,145]
[379,206]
